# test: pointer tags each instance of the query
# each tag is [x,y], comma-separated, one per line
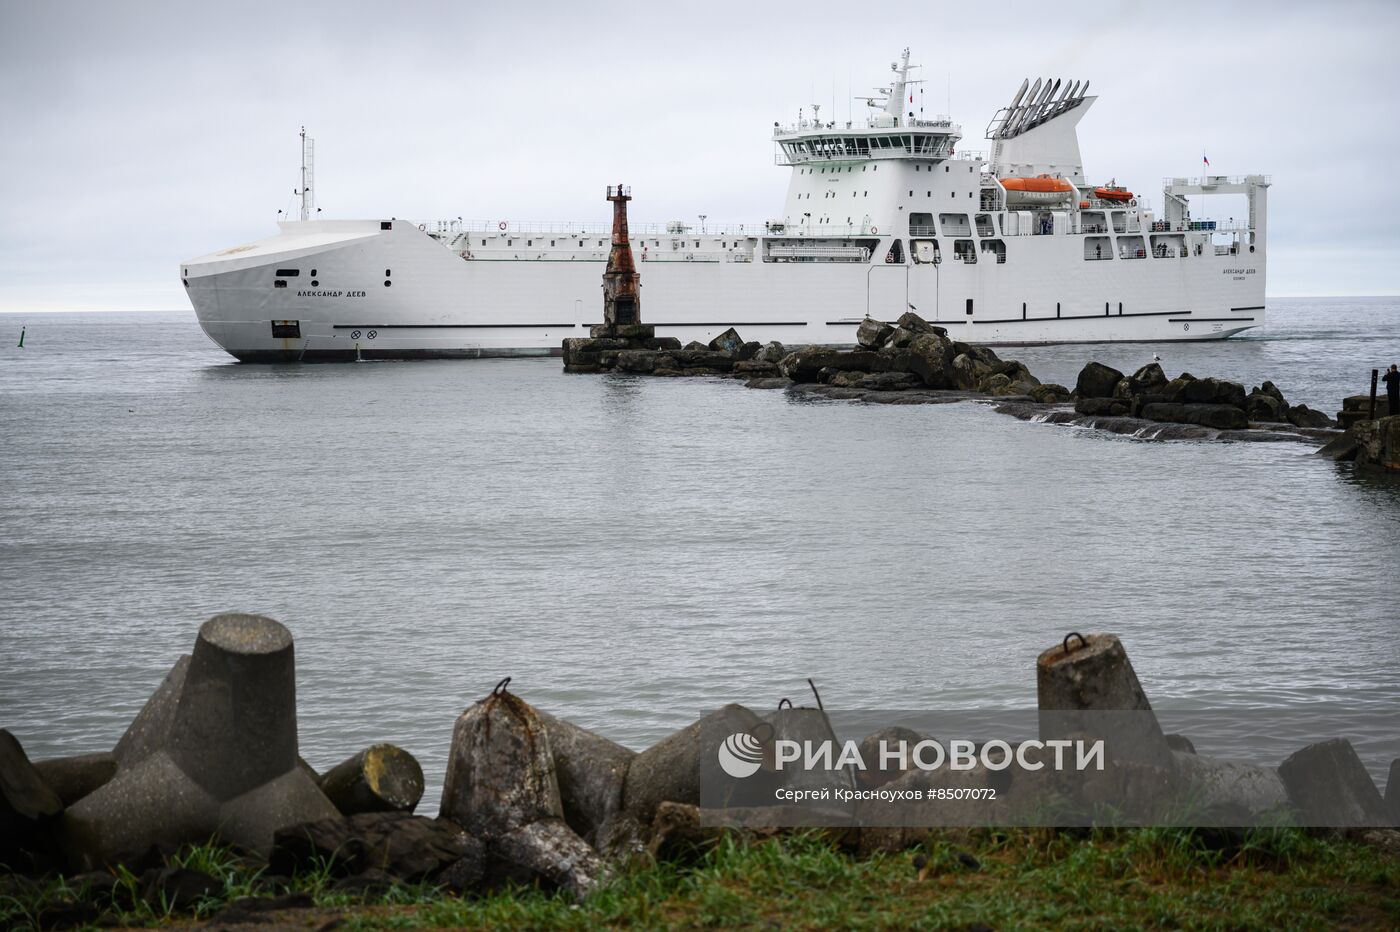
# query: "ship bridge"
[896,132]
[881,138]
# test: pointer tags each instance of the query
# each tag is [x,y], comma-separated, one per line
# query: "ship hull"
[389,290]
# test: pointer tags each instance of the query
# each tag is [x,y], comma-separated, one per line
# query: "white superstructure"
[881,216]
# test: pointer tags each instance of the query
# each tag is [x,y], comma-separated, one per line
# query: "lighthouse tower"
[622,300]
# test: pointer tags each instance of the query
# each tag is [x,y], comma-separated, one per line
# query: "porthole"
[1251,248]
[313,273]
[387,283]
[315,283]
[386,273]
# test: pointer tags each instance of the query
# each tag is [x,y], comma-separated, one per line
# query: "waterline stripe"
[1051,320]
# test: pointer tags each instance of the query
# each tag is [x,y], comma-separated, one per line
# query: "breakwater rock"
[1373,445]
[1208,402]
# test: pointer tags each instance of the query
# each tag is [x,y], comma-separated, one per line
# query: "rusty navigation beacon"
[622,300]
[622,328]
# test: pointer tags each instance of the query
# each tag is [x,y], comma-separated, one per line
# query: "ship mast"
[308,175]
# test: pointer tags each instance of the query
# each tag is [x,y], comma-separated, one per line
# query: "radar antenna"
[891,99]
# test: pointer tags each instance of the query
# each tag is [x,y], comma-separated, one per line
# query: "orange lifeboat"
[1042,184]
[1040,190]
[1113,194]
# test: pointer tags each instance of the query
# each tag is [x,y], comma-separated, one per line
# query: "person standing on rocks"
[1392,390]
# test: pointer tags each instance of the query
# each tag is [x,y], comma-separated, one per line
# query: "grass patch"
[1022,878]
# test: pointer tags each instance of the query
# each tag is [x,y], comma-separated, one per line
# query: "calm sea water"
[634,552]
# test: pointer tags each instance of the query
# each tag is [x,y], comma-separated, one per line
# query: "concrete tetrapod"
[1087,690]
[381,778]
[591,771]
[150,730]
[212,755]
[1330,786]
[28,810]
[1230,794]
[1090,688]
[501,786]
[74,777]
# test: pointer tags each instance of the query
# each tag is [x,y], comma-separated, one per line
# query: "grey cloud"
[139,134]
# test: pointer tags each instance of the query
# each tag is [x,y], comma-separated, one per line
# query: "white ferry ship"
[881,216]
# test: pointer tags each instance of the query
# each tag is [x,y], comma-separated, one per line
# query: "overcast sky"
[135,135]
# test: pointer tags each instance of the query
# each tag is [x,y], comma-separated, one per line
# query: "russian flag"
[1206,160]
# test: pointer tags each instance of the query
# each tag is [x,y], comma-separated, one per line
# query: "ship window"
[288,273]
[946,169]
[483,242]
[865,194]
[279,284]
[313,273]
[551,242]
[952,194]
[928,194]
[386,273]
[387,283]
[911,193]
[969,307]
[385,225]
[315,283]
[528,242]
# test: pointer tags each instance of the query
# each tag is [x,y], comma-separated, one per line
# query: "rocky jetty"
[908,362]
[912,361]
